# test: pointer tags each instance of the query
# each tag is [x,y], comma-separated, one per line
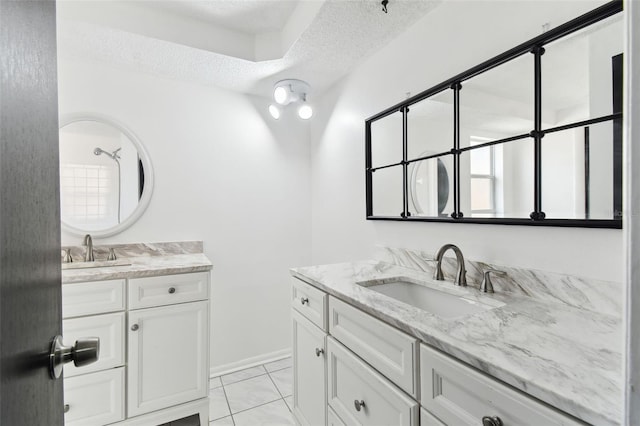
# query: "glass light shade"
[274,111]
[280,95]
[305,112]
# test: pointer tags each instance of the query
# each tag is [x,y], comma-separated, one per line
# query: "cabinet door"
[94,399]
[167,354]
[309,372]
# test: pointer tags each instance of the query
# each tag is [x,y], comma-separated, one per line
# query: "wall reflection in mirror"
[429,187]
[102,175]
[580,171]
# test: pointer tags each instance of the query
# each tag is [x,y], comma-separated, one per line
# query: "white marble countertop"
[567,357]
[141,266]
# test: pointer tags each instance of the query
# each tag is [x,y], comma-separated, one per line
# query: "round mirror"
[106,178]
[429,187]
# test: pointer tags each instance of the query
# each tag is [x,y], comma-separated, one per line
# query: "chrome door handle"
[86,351]
[319,351]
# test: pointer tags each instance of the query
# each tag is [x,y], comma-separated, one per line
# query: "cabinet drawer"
[310,302]
[333,419]
[168,290]
[108,328]
[458,394]
[95,297]
[351,380]
[388,350]
[95,399]
[428,419]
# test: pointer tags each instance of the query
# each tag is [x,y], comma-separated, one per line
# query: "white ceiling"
[251,16]
[244,46]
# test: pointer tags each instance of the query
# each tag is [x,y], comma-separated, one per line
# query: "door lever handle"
[86,351]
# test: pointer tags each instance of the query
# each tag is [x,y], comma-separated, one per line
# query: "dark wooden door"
[30,290]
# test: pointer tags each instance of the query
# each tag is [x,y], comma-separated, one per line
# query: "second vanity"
[152,318]
[361,357]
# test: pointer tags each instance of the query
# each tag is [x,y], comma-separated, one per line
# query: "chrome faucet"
[461,275]
[88,242]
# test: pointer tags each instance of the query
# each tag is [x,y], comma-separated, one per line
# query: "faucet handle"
[67,256]
[112,254]
[487,285]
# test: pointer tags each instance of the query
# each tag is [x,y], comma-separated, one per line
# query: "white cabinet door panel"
[333,419]
[387,349]
[309,372]
[351,380]
[167,356]
[310,302]
[94,399]
[108,328]
[458,394]
[94,297]
[428,419]
[168,289]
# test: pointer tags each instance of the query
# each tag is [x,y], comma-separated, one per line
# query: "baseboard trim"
[249,362]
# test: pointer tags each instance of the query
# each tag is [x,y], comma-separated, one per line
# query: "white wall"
[454,37]
[224,173]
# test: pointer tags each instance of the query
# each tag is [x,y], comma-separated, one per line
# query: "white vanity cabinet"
[154,350]
[309,354]
[376,374]
[94,394]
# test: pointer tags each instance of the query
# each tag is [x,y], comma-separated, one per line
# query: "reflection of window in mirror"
[87,193]
[482,168]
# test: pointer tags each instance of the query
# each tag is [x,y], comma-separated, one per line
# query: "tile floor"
[255,396]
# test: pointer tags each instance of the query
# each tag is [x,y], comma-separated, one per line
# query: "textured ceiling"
[340,35]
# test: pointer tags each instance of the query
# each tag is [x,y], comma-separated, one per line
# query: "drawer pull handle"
[491,421]
[358,404]
[172,290]
[135,327]
[304,300]
[319,351]
[66,408]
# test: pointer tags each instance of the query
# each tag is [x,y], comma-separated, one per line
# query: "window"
[483,178]
[85,191]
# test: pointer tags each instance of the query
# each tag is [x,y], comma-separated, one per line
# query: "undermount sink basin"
[428,299]
[97,264]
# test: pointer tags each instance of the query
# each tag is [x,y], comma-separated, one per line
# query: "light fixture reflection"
[274,111]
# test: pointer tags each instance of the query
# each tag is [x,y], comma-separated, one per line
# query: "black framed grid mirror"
[530,137]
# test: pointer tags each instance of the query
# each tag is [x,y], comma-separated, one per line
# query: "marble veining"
[593,295]
[145,260]
[101,252]
[567,357]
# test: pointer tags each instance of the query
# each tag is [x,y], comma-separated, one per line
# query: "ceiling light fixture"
[305,111]
[274,111]
[291,91]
